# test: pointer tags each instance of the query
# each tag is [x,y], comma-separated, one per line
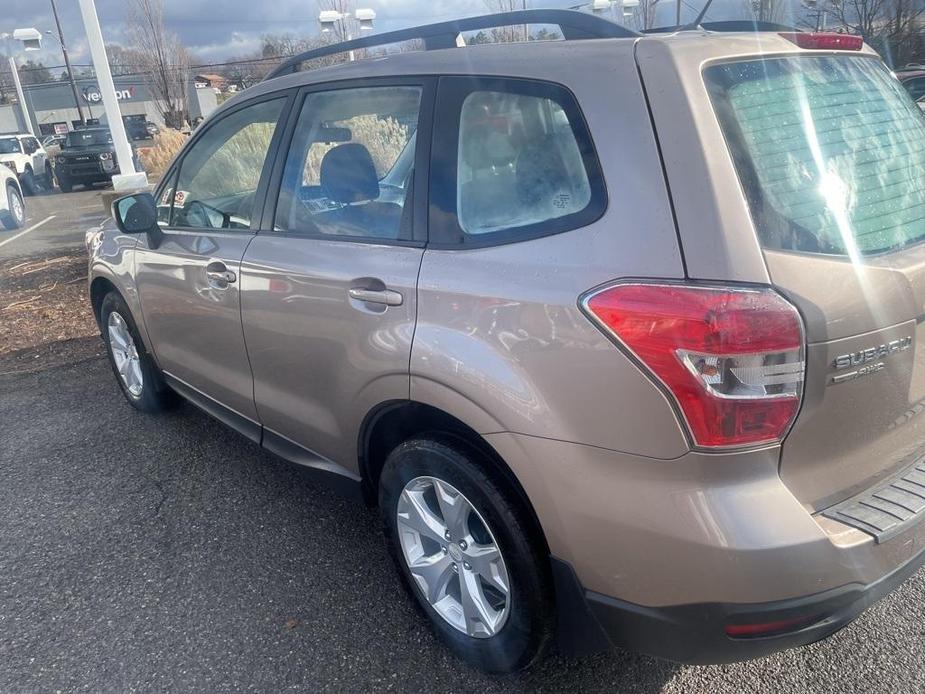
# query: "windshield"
[830,151]
[88,138]
[9,145]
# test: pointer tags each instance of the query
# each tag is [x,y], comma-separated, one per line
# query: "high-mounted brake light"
[731,358]
[823,41]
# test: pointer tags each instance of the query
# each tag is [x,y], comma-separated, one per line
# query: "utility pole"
[67,64]
[127,179]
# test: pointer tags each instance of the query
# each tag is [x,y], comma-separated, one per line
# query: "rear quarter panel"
[500,340]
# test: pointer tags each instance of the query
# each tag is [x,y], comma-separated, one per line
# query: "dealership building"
[52,109]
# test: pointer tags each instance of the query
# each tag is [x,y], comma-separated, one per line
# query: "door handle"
[376,296]
[219,275]
[226,276]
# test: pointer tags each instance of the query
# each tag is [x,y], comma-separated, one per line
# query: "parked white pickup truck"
[29,161]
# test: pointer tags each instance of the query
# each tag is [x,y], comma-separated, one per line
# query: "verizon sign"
[93,95]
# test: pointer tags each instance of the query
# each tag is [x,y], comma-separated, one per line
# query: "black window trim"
[176,167]
[444,227]
[422,153]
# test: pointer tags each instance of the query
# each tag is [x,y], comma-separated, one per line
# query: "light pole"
[127,179]
[67,62]
[330,18]
[31,41]
[627,7]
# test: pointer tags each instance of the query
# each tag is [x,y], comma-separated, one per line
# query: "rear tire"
[510,630]
[141,382]
[14,216]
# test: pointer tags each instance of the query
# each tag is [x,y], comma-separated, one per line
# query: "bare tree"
[510,33]
[892,27]
[775,11]
[860,16]
[644,14]
[124,61]
[164,59]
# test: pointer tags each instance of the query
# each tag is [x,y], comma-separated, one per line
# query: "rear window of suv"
[830,151]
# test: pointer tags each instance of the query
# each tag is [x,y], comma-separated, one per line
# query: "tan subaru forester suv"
[622,333]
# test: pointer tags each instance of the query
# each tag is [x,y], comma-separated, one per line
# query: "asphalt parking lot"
[142,553]
[54,222]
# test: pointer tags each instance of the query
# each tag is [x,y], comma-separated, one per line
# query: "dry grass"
[383,137]
[156,158]
[44,300]
[235,167]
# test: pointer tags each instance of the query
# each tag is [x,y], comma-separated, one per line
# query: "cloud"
[218,30]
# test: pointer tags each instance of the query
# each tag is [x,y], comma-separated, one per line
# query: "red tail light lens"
[731,358]
[764,629]
[823,41]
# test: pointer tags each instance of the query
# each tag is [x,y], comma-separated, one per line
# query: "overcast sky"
[216,30]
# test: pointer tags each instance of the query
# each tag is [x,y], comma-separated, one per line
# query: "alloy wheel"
[17,208]
[453,557]
[125,355]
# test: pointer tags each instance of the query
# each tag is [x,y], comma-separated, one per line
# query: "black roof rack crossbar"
[573,25]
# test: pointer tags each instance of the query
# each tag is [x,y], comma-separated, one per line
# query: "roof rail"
[573,25]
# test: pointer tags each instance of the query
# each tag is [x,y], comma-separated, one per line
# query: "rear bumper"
[696,633]
[663,555]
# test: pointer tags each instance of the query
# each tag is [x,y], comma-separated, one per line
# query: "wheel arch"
[99,288]
[392,423]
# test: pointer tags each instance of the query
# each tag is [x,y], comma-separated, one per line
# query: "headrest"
[348,174]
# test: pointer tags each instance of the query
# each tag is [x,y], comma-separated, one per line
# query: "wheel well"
[99,288]
[394,423]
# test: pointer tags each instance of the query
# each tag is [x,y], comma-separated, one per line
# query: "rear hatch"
[830,153]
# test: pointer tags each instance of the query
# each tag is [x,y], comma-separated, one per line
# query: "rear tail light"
[822,41]
[732,359]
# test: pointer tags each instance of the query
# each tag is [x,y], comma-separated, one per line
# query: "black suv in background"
[87,156]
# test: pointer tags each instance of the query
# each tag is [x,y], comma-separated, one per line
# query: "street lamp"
[627,7]
[330,18]
[32,41]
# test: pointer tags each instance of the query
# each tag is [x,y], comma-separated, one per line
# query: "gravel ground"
[143,553]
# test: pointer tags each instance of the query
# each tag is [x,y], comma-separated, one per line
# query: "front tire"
[64,184]
[49,181]
[14,216]
[141,382]
[467,554]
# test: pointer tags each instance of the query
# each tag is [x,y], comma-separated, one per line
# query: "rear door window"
[513,160]
[830,151]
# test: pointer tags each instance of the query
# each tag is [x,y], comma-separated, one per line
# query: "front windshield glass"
[88,138]
[9,145]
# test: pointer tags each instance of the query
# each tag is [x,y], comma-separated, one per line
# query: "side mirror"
[137,214]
